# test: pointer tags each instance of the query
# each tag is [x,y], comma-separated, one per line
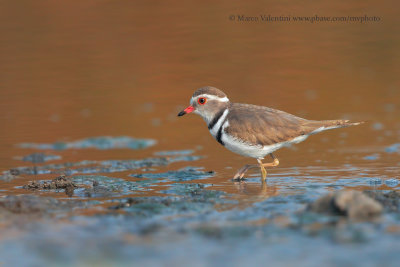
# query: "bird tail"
[320,126]
[340,123]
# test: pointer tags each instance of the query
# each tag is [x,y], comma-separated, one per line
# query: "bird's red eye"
[202,100]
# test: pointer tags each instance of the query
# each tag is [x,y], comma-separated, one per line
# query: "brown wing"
[266,126]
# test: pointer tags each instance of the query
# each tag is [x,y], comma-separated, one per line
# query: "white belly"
[256,151]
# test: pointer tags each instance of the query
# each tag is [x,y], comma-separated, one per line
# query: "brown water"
[71,71]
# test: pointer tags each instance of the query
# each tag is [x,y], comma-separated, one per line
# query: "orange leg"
[240,173]
[274,163]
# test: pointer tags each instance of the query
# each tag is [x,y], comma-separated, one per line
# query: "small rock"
[69,190]
[390,200]
[32,185]
[8,176]
[14,172]
[357,205]
[60,182]
[97,190]
[353,204]
[324,204]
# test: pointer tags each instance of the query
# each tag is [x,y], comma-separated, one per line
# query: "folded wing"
[266,126]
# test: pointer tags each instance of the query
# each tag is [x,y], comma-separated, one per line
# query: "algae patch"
[184,174]
[93,166]
[101,142]
[39,157]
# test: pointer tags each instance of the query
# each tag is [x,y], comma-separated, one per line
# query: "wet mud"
[185,206]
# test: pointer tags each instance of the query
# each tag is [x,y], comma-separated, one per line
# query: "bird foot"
[240,173]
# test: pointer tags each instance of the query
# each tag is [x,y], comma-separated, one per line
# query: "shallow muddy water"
[91,91]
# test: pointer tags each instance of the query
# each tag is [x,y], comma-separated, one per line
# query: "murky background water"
[91,90]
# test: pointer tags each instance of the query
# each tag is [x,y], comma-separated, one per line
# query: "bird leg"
[240,173]
[274,163]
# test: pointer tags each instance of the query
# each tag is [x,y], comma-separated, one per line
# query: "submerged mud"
[197,217]
[146,210]
[32,204]
[185,174]
[92,166]
[101,142]
[40,157]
